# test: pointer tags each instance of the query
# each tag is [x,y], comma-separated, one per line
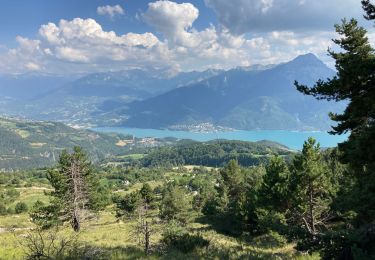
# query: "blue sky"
[71,36]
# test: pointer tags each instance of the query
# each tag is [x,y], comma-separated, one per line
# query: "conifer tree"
[147,193]
[355,84]
[312,186]
[275,186]
[75,188]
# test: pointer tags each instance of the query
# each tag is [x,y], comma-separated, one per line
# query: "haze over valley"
[246,98]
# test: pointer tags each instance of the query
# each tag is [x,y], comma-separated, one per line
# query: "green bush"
[3,210]
[44,216]
[271,239]
[127,205]
[270,220]
[10,211]
[20,207]
[16,182]
[179,239]
[28,184]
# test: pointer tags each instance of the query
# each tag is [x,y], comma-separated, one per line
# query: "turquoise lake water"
[292,139]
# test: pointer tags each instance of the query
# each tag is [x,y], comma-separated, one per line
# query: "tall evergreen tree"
[312,187]
[275,186]
[76,189]
[355,84]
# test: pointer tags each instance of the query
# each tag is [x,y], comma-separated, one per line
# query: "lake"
[292,139]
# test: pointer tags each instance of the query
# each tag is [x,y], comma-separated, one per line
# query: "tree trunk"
[76,223]
[147,239]
[77,194]
[311,209]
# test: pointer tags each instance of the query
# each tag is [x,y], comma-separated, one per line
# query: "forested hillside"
[38,144]
[215,153]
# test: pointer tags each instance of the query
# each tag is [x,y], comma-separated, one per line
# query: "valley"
[244,98]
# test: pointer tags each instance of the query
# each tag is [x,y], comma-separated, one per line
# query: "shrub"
[3,210]
[271,239]
[16,181]
[11,194]
[10,211]
[44,216]
[21,207]
[127,206]
[178,238]
[52,244]
[270,220]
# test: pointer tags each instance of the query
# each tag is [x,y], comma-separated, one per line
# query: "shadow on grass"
[221,225]
[209,252]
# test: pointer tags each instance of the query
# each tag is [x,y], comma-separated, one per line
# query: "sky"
[84,36]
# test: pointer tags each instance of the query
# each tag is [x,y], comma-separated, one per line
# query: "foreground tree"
[354,83]
[312,187]
[76,189]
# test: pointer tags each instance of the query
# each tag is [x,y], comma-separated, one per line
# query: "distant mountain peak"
[307,59]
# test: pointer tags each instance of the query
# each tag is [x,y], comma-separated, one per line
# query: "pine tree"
[369,9]
[174,203]
[147,193]
[312,186]
[275,186]
[75,188]
[354,83]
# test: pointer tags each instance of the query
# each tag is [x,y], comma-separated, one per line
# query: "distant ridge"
[244,99]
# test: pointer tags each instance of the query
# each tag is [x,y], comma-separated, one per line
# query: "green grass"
[30,195]
[119,239]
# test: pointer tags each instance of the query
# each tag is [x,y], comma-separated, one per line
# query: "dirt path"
[5,230]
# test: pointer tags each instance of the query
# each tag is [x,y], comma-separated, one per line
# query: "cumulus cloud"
[241,16]
[173,20]
[82,46]
[111,11]
[218,46]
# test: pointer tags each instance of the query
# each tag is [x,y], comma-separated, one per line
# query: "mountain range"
[263,98]
[255,97]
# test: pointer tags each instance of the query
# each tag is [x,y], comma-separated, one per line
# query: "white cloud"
[32,66]
[70,54]
[219,47]
[241,16]
[173,20]
[111,11]
[82,46]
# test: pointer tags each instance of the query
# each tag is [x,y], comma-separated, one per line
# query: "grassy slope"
[119,238]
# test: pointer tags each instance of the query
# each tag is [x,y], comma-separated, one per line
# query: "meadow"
[113,238]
